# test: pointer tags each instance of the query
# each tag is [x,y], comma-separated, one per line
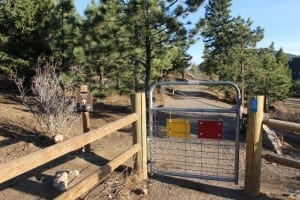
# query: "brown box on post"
[84,100]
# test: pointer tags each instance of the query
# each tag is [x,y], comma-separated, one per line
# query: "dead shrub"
[47,100]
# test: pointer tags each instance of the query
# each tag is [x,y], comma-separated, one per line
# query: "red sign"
[211,129]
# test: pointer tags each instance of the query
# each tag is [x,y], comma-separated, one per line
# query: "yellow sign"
[179,128]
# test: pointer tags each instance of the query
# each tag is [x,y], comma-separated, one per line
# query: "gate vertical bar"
[150,103]
[237,136]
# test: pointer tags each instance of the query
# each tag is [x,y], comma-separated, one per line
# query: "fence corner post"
[254,145]
[139,136]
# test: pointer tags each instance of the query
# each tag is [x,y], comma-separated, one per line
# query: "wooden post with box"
[84,105]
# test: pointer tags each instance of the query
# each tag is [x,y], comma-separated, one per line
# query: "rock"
[139,191]
[61,180]
[271,140]
[30,145]
[145,191]
[42,179]
[58,138]
[73,174]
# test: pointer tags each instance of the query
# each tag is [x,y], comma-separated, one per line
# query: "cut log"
[282,161]
[283,125]
[271,140]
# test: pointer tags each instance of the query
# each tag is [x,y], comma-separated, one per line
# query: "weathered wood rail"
[283,125]
[254,145]
[31,161]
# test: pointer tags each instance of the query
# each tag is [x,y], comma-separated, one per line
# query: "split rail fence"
[19,166]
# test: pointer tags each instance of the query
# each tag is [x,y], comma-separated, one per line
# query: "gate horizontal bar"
[193,110]
[192,175]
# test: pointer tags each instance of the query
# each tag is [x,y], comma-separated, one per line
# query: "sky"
[279,19]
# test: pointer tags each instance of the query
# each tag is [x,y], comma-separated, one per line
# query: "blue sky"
[280,20]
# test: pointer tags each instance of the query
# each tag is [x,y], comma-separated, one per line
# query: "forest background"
[121,46]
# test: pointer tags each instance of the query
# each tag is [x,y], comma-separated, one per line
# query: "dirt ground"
[19,136]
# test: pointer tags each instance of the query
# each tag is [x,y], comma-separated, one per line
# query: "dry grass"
[285,112]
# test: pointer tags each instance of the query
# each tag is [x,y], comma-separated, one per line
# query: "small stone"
[73,174]
[42,179]
[30,145]
[61,180]
[139,191]
[145,191]
[58,138]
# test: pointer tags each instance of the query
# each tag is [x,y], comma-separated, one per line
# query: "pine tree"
[268,77]
[106,41]
[156,27]
[66,34]
[33,28]
[229,43]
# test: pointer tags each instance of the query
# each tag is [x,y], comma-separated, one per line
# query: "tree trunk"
[118,81]
[243,84]
[182,75]
[148,66]
[101,78]
[136,78]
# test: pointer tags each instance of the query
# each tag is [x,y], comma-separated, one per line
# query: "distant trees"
[130,41]
[128,45]
[230,52]
[295,67]
[32,28]
[22,36]
[294,64]
[126,42]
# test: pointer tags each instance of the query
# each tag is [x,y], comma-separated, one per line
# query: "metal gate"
[192,132]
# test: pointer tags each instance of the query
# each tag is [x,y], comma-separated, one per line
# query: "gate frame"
[237,112]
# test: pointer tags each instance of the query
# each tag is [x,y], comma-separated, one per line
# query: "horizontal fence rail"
[26,163]
[99,175]
[282,161]
[283,125]
[254,144]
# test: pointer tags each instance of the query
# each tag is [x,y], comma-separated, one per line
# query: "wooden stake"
[254,146]
[139,134]
[86,128]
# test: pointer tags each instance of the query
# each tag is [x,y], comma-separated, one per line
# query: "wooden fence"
[254,144]
[26,163]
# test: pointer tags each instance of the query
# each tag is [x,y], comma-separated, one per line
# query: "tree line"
[128,44]
[124,44]
[231,54]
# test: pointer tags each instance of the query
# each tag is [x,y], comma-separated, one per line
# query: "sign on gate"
[179,128]
[212,129]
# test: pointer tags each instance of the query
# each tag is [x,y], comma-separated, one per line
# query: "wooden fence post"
[138,102]
[86,128]
[85,93]
[254,145]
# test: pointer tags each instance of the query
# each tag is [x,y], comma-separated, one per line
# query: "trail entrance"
[192,132]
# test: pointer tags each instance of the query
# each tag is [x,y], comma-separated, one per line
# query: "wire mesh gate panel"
[192,132]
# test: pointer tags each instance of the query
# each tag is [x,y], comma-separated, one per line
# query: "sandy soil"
[19,136]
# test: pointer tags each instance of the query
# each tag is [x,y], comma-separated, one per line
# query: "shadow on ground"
[219,191]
